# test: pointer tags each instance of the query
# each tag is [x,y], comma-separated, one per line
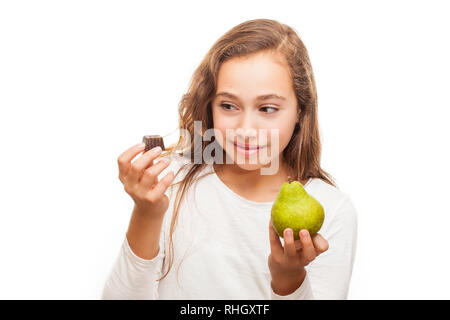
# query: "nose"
[247,127]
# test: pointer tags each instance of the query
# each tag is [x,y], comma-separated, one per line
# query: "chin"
[248,167]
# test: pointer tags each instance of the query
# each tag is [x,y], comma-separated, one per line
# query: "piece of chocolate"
[152,141]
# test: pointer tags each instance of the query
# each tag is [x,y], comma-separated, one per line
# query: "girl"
[202,230]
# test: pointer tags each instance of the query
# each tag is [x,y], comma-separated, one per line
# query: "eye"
[273,109]
[226,105]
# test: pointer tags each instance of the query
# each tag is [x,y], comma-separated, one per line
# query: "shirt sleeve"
[132,277]
[331,271]
[328,276]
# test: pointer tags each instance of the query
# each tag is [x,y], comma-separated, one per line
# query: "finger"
[124,160]
[150,175]
[309,252]
[137,167]
[162,185]
[275,244]
[298,245]
[320,244]
[289,246]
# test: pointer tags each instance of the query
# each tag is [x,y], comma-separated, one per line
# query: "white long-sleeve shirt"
[221,247]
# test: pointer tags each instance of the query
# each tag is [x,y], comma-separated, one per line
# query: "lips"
[247,146]
[247,149]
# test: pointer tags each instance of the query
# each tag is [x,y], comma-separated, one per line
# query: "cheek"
[285,130]
[220,125]
[285,136]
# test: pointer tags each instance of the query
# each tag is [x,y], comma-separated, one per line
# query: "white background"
[81,81]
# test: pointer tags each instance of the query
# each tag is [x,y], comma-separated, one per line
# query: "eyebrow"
[261,98]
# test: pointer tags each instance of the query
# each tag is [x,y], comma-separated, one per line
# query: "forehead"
[255,74]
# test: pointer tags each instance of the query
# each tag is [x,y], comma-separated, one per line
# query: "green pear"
[294,208]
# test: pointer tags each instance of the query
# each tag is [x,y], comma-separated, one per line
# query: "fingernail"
[157,149]
[288,233]
[304,233]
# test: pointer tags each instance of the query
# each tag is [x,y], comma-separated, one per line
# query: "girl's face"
[240,107]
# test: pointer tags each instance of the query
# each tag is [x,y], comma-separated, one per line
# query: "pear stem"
[289,179]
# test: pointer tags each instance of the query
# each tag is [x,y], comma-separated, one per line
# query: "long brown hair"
[303,152]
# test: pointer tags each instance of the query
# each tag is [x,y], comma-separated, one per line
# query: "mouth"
[246,149]
[247,146]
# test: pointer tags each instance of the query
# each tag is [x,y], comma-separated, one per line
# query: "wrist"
[284,285]
[145,213]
